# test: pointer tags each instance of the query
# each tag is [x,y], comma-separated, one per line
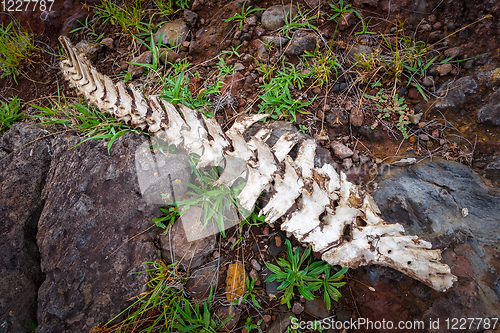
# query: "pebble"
[239,67]
[428,81]
[256,265]
[424,137]
[237,34]
[297,308]
[421,124]
[347,163]
[412,93]
[265,232]
[260,32]
[363,159]
[267,318]
[415,118]
[435,36]
[436,26]
[317,91]
[251,20]
[253,274]
[278,241]
[444,69]
[242,102]
[453,52]
[108,44]
[340,150]
[432,18]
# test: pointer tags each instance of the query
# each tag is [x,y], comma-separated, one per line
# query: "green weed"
[249,293]
[301,21]
[243,15]
[249,326]
[127,16]
[323,65]
[168,7]
[306,279]
[10,113]
[16,47]
[157,310]
[277,98]
[87,120]
[388,107]
[192,318]
[340,10]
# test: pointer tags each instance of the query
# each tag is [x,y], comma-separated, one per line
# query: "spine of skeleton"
[316,205]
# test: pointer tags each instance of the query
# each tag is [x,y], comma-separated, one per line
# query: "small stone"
[444,69]
[421,124]
[436,26]
[245,37]
[190,18]
[442,142]
[172,33]
[135,70]
[168,56]
[425,27]
[88,49]
[260,32]
[424,137]
[378,160]
[227,311]
[242,102]
[317,91]
[363,159]
[267,318]
[108,44]
[347,163]
[253,274]
[412,93]
[428,81]
[297,308]
[435,134]
[302,41]
[237,34]
[340,150]
[432,18]
[278,241]
[239,67]
[274,17]
[435,36]
[265,232]
[415,118]
[453,52]
[251,20]
[256,265]
[186,44]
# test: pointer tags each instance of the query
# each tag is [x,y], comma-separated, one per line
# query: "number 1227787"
[25,5]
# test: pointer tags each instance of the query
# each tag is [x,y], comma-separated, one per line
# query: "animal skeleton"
[327,204]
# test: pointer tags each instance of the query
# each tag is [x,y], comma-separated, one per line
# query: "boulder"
[449,205]
[24,163]
[94,234]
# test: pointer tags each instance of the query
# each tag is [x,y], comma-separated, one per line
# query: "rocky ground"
[75,226]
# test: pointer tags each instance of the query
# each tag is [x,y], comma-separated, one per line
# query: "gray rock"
[169,56]
[340,150]
[453,52]
[274,17]
[492,170]
[444,69]
[360,51]
[173,33]
[428,199]
[186,242]
[136,70]
[88,49]
[435,36]
[281,323]
[225,311]
[202,279]
[490,113]
[297,308]
[317,308]
[428,81]
[458,94]
[24,163]
[263,53]
[108,44]
[190,18]
[271,286]
[301,41]
[251,20]
[347,163]
[275,40]
[93,234]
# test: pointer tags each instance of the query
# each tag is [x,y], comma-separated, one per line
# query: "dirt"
[466,141]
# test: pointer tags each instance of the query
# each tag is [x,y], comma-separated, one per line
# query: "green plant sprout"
[244,14]
[192,319]
[10,113]
[127,16]
[305,280]
[388,107]
[250,292]
[249,326]
[277,98]
[16,47]
[301,21]
[341,10]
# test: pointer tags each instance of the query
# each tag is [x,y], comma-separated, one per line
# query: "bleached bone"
[302,193]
